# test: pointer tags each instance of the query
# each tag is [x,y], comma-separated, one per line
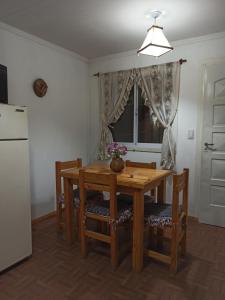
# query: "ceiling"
[94,28]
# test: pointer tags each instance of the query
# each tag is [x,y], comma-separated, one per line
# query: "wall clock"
[40,87]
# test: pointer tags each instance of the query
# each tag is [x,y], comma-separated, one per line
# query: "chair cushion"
[158,215]
[128,199]
[102,209]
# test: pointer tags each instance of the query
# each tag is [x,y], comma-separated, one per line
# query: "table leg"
[138,231]
[162,192]
[68,198]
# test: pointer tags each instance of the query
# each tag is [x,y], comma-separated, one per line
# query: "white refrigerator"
[15,210]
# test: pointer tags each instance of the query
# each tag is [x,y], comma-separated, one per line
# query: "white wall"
[196,51]
[58,123]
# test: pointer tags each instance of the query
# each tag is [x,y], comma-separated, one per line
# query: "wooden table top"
[129,177]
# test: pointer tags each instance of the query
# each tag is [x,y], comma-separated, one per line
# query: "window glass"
[149,128]
[123,129]
[145,124]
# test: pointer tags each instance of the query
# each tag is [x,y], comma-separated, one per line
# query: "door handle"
[207,147]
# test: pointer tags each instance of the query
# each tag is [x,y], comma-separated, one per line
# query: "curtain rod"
[181,61]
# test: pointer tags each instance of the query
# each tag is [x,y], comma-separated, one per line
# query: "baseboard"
[44,218]
[193,219]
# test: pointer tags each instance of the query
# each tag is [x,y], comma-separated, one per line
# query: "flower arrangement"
[116,150]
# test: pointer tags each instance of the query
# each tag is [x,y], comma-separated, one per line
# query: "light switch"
[190,134]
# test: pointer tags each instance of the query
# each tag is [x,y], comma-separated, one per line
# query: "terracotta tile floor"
[56,271]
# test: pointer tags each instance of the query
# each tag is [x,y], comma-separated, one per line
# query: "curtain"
[160,89]
[114,91]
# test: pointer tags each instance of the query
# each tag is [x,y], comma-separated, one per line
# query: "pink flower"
[116,150]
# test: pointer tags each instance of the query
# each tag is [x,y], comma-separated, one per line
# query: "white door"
[212,189]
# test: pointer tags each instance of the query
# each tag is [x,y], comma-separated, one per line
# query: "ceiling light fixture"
[155,43]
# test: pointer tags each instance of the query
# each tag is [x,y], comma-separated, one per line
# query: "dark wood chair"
[171,218]
[109,212]
[60,166]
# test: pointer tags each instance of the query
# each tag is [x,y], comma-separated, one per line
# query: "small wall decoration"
[40,87]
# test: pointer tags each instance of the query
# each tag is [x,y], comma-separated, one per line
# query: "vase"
[117,164]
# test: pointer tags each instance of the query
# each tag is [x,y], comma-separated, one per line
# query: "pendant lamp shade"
[155,43]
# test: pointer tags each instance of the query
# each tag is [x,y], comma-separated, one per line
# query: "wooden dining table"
[133,181]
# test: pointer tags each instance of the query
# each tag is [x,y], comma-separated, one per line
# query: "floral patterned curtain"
[160,89]
[114,89]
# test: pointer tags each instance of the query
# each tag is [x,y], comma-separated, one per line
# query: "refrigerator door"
[15,215]
[13,122]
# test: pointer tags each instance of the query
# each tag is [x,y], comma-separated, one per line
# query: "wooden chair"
[105,211]
[148,198]
[151,165]
[172,218]
[60,166]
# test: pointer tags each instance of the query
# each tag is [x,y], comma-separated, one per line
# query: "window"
[137,124]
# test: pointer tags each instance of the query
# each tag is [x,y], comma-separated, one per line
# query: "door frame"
[199,129]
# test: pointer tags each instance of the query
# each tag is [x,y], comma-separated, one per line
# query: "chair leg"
[107,228]
[101,227]
[114,246]
[174,251]
[183,242]
[131,232]
[59,215]
[153,192]
[83,238]
[78,223]
[151,239]
[159,238]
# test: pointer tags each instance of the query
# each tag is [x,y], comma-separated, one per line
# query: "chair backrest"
[101,182]
[64,165]
[151,165]
[180,184]
[134,164]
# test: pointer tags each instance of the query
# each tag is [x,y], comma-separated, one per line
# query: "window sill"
[142,149]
